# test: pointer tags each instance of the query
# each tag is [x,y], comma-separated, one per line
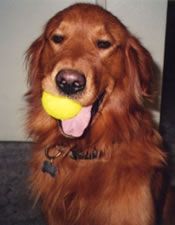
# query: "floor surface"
[16,206]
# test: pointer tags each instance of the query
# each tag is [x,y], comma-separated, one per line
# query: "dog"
[106,165]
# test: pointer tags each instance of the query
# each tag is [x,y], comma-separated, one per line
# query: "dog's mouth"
[76,126]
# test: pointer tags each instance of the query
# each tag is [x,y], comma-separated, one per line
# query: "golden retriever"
[103,167]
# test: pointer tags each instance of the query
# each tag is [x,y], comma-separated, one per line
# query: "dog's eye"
[57,39]
[103,44]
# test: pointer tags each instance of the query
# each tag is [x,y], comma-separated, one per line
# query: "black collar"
[59,152]
[79,155]
[73,153]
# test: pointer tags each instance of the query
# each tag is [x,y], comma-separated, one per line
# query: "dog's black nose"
[70,81]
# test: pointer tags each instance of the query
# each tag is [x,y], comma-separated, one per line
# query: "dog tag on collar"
[49,168]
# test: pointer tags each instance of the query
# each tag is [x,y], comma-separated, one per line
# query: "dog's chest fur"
[86,191]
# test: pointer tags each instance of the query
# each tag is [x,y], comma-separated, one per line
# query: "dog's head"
[87,54]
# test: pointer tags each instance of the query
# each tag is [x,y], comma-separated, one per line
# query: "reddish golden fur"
[120,188]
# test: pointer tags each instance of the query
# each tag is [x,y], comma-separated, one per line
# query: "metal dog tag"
[48,167]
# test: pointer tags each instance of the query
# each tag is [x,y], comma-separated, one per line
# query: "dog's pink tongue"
[75,127]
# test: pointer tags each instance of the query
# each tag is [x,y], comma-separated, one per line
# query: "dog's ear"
[33,56]
[139,67]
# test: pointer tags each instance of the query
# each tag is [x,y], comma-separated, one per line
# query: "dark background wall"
[167,122]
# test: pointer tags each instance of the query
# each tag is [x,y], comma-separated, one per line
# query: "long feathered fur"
[116,189]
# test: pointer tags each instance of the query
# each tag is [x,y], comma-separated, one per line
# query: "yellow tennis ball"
[60,107]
